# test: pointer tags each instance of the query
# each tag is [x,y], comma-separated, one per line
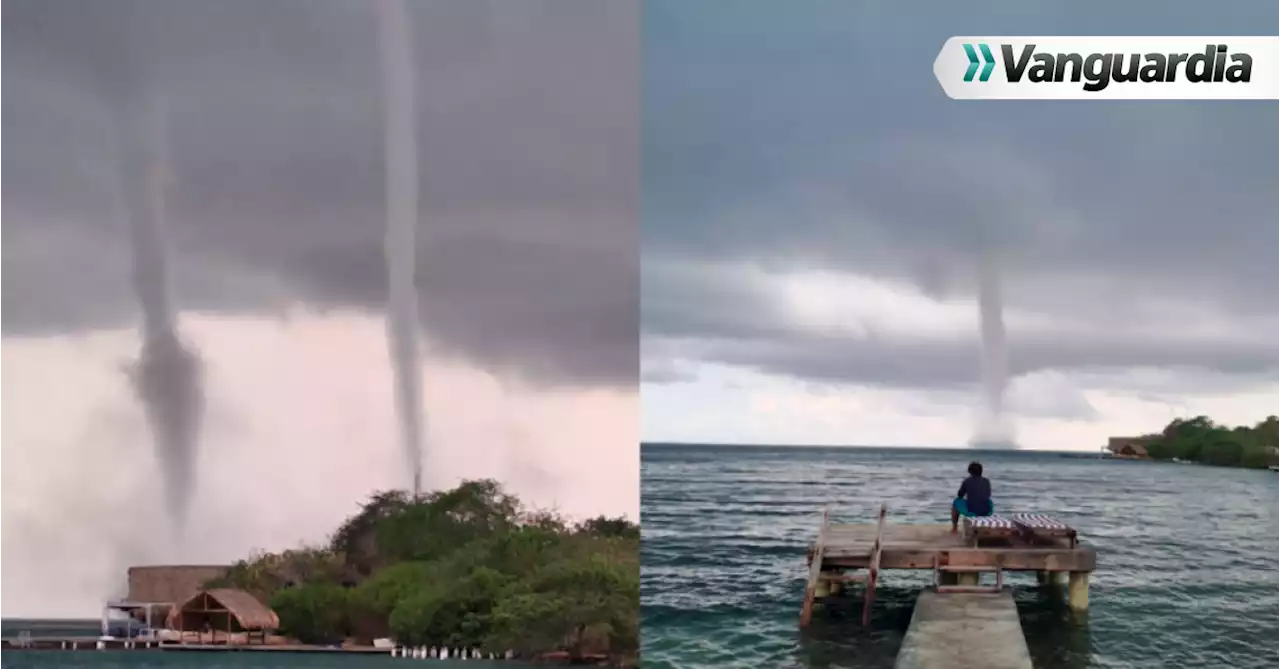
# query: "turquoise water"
[1187,556]
[91,659]
[51,627]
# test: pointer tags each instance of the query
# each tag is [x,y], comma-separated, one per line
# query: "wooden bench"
[1040,526]
[979,528]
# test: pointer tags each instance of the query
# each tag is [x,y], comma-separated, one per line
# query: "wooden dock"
[91,644]
[846,554]
[278,648]
[964,631]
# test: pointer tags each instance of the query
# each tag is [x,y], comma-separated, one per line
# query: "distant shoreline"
[1201,440]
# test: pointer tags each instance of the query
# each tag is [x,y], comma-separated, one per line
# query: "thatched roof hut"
[223,609]
[1128,447]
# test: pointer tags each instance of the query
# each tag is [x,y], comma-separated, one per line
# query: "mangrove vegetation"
[1202,440]
[468,568]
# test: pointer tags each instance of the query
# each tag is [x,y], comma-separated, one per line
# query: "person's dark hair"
[975,469]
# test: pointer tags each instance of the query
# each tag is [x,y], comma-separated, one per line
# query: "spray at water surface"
[400,139]
[167,375]
[993,430]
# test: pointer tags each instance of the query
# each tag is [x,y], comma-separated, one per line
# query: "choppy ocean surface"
[1187,556]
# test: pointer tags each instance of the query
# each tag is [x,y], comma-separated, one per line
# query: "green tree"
[356,539]
[444,521]
[314,612]
[570,602]
[263,574]
[455,614]
[604,526]
[1223,451]
[1267,432]
[1199,439]
[464,568]
[383,591]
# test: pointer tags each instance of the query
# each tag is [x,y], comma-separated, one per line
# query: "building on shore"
[1128,448]
[171,602]
[155,590]
[170,584]
[223,615]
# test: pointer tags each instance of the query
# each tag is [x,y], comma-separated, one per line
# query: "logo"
[973,62]
[1054,68]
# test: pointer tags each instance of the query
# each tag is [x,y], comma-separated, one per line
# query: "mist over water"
[994,429]
[167,375]
[400,138]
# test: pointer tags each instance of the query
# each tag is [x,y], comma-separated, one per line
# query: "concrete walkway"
[964,631]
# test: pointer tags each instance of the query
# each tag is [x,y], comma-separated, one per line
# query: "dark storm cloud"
[815,137]
[899,361]
[528,121]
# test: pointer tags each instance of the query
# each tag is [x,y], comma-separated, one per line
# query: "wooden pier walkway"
[92,644]
[964,631]
[845,554]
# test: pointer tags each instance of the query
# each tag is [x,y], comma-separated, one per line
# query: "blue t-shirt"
[976,491]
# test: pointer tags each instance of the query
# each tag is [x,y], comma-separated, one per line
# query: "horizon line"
[712,444]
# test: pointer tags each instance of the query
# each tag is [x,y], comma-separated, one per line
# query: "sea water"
[124,659]
[1186,574]
[87,658]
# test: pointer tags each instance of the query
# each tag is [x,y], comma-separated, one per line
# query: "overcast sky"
[815,210]
[528,269]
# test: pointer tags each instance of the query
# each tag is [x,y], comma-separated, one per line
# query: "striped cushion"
[992,522]
[1038,521]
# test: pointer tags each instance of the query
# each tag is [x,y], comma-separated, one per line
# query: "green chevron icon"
[987,58]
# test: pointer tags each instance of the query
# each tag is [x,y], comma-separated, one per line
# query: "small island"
[1201,440]
[467,568]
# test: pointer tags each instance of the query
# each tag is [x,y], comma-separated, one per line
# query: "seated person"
[974,497]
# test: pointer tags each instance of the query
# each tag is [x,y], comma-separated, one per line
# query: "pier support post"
[1078,591]
[1052,579]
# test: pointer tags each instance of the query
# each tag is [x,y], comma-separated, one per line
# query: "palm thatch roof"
[170,584]
[219,608]
[1130,446]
